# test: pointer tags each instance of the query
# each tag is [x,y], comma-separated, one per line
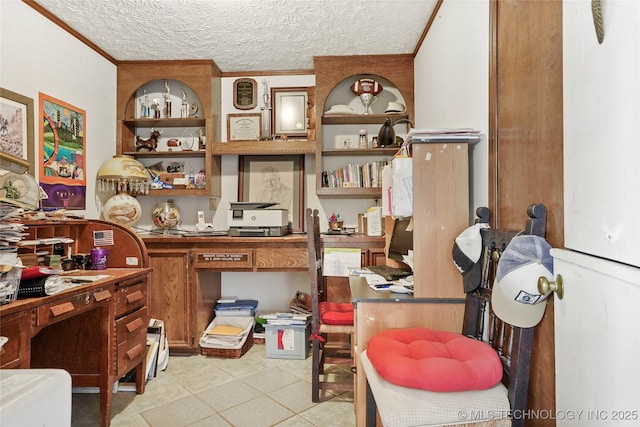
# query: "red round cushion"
[433,360]
[332,313]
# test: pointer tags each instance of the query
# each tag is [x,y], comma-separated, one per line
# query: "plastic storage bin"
[287,341]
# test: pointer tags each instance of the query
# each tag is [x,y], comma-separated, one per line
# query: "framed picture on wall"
[63,153]
[289,107]
[245,94]
[243,127]
[16,126]
[274,179]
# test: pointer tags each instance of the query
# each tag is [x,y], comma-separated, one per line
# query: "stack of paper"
[241,307]
[444,135]
[224,335]
[286,318]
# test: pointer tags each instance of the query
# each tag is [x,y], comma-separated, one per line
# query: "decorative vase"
[166,215]
[122,209]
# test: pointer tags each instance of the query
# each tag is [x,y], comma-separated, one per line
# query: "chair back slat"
[314,251]
[513,344]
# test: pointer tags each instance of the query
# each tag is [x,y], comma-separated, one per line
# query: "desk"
[96,332]
[186,280]
[375,311]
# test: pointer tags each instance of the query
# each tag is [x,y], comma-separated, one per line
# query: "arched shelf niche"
[342,95]
[156,92]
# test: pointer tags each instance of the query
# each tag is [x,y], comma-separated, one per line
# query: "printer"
[257,219]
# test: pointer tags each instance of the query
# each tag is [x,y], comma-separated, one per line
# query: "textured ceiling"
[246,35]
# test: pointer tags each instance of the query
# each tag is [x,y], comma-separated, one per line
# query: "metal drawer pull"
[136,324]
[135,296]
[134,352]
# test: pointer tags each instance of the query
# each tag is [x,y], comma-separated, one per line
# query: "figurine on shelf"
[156,108]
[265,132]
[202,139]
[184,110]
[146,105]
[149,144]
[167,100]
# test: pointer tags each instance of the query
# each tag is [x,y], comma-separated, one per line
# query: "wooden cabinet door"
[170,296]
[526,144]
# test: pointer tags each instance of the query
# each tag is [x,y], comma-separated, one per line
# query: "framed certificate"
[243,127]
[245,94]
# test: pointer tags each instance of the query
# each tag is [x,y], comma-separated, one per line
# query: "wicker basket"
[230,352]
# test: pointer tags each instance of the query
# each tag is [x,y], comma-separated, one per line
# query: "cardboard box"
[288,341]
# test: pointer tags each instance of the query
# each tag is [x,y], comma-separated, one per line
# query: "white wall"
[452,82]
[38,56]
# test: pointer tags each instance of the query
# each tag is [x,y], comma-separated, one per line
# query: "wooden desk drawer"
[225,259]
[131,324]
[131,352]
[282,259]
[59,310]
[131,298]
[10,327]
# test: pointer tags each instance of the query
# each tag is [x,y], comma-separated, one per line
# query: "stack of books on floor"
[157,348]
[232,306]
[301,303]
[157,356]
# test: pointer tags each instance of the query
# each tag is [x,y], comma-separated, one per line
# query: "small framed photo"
[289,111]
[274,179]
[16,126]
[244,127]
[245,94]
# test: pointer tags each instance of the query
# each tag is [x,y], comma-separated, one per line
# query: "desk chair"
[327,318]
[500,405]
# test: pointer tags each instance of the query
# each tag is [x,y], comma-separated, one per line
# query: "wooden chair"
[503,404]
[327,319]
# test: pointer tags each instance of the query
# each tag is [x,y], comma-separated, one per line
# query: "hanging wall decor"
[63,153]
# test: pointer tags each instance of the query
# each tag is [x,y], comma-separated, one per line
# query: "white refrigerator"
[597,323]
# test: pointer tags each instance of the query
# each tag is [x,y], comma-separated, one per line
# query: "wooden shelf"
[360,119]
[350,192]
[179,192]
[171,122]
[385,151]
[295,146]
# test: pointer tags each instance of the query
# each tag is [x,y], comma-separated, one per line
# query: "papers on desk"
[378,283]
[338,261]
[444,135]
[372,279]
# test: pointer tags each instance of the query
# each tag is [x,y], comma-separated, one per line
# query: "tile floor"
[199,391]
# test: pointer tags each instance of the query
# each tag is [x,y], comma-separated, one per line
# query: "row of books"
[358,175]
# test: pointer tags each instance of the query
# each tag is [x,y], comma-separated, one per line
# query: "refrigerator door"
[35,397]
[597,341]
[601,83]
